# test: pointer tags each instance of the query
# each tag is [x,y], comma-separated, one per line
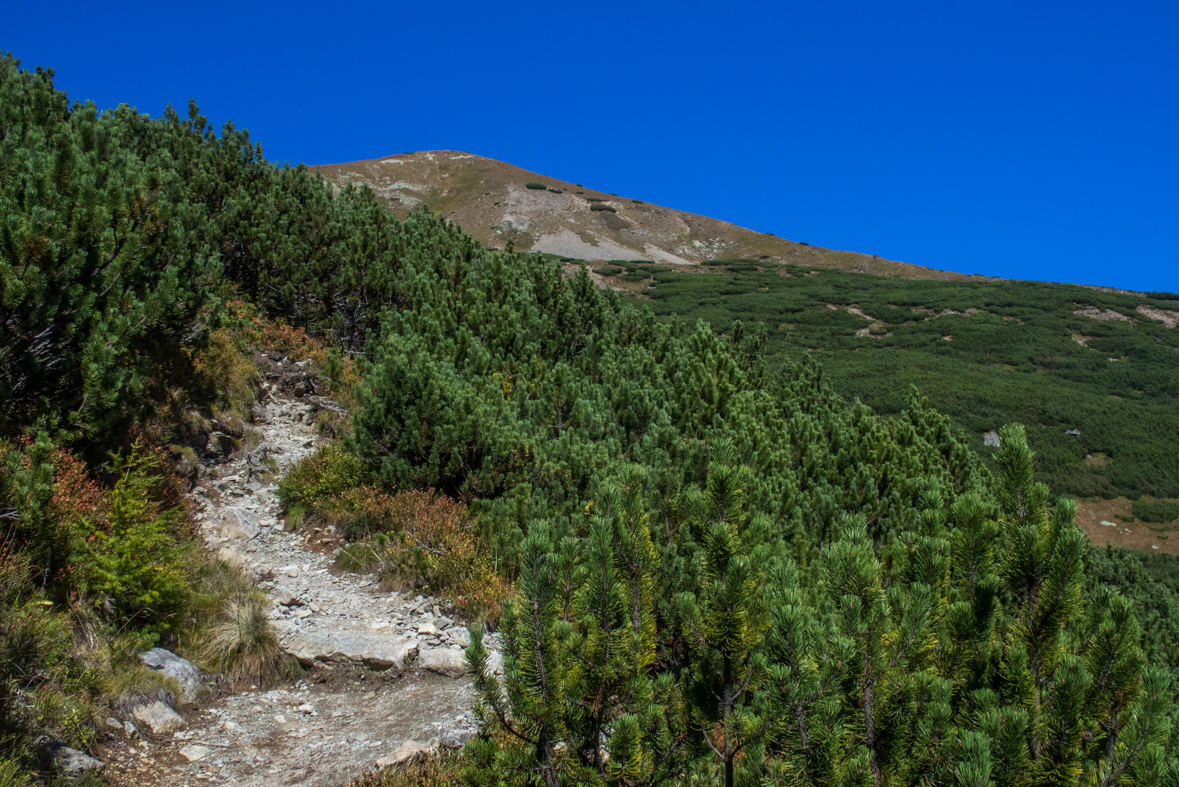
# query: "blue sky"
[1029,140]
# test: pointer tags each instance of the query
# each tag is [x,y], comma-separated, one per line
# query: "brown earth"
[1123,533]
[490,200]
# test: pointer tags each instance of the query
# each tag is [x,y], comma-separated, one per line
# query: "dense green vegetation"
[1015,359]
[720,568]
[1157,512]
[955,650]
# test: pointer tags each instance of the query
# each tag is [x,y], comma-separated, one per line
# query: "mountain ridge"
[493,202]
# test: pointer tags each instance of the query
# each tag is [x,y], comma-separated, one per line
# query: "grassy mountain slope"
[491,201]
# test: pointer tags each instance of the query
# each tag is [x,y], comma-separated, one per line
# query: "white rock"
[427,630]
[459,635]
[159,717]
[194,753]
[405,754]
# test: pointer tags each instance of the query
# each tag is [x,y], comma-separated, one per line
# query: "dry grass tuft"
[243,643]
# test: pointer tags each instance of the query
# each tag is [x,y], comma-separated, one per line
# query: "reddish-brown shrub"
[419,540]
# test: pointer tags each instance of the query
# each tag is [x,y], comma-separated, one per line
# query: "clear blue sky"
[1029,140]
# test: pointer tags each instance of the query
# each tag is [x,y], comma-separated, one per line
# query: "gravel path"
[383,668]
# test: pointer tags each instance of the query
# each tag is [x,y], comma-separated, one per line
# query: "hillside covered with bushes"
[707,565]
[1057,357]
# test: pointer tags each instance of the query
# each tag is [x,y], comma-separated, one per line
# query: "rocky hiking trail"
[384,678]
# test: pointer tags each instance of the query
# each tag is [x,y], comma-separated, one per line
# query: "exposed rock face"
[378,650]
[161,719]
[181,670]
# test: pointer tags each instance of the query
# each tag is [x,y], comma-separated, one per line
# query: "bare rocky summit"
[492,201]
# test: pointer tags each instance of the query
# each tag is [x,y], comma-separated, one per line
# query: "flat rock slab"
[377,650]
[444,661]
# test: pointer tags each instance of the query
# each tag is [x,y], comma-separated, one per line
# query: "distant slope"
[1093,373]
[491,201]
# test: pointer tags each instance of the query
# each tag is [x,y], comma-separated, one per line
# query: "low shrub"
[610,270]
[13,774]
[1157,513]
[225,373]
[557,191]
[536,186]
[417,540]
[129,559]
[602,206]
[229,366]
[329,472]
[45,689]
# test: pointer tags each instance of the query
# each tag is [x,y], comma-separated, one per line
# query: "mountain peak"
[496,202]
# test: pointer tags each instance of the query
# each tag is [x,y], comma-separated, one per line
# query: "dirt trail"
[384,668]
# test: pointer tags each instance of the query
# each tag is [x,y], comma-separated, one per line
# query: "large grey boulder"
[459,635]
[159,717]
[378,650]
[181,670]
[444,661]
[238,522]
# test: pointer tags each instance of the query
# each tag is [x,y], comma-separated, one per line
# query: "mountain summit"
[497,202]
